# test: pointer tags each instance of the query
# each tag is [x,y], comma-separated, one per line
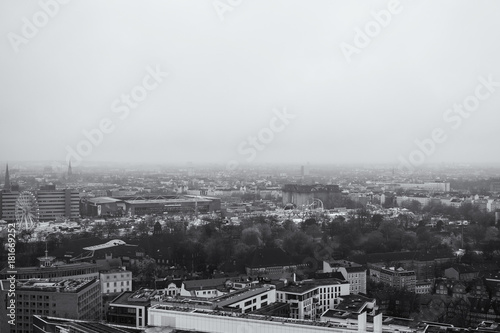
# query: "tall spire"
[6,185]
[70,172]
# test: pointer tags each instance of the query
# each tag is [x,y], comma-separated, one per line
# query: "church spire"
[6,185]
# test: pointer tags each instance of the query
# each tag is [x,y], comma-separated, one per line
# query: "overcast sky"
[231,63]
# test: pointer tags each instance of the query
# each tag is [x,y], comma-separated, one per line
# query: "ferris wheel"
[315,204]
[27,211]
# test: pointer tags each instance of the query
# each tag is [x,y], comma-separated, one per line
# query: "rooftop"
[310,188]
[59,267]
[103,200]
[239,295]
[84,326]
[251,317]
[305,286]
[205,284]
[48,285]
[354,303]
[136,298]
[111,243]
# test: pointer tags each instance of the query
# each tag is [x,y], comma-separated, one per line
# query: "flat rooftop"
[302,287]
[135,298]
[103,200]
[254,317]
[166,201]
[349,301]
[239,295]
[34,269]
[48,285]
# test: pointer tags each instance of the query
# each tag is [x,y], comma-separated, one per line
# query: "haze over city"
[230,71]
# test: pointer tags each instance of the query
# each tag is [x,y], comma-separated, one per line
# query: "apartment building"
[354,273]
[115,281]
[309,299]
[394,277]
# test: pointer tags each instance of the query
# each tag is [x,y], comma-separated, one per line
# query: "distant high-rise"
[6,185]
[304,170]
[70,171]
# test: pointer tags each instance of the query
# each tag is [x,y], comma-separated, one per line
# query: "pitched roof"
[464,269]
[397,256]
[204,284]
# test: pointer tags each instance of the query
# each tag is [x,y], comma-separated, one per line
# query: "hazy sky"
[225,78]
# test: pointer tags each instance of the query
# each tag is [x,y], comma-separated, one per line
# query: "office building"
[52,204]
[75,299]
[81,270]
[130,308]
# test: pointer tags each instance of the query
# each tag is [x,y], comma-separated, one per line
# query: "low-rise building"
[394,277]
[130,308]
[207,288]
[461,272]
[423,287]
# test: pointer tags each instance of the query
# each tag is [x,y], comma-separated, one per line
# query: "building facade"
[82,270]
[115,281]
[75,299]
[130,308]
[305,195]
[354,273]
[52,204]
[308,300]
[397,278]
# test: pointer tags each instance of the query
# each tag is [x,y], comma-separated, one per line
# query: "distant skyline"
[214,84]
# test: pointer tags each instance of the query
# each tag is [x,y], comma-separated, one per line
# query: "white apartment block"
[309,299]
[354,273]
